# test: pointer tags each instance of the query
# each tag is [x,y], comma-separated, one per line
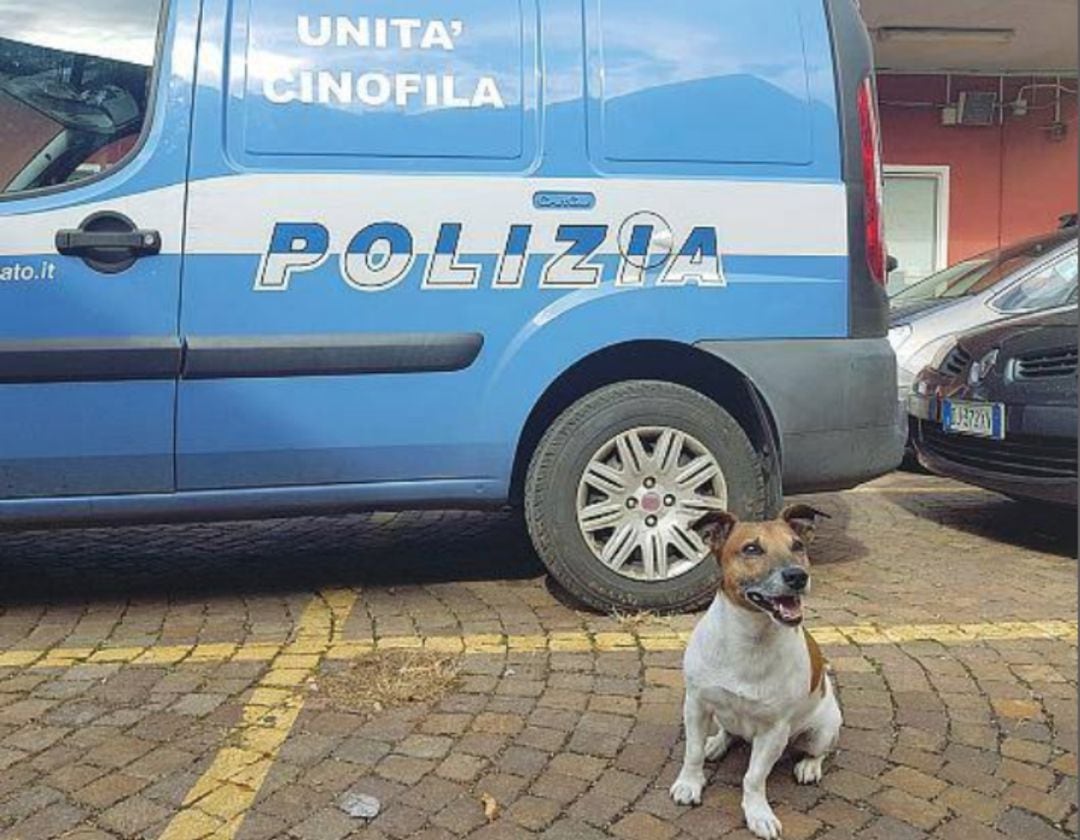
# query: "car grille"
[1033,457]
[956,362]
[1045,365]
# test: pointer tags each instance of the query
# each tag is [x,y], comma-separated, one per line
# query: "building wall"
[1007,181]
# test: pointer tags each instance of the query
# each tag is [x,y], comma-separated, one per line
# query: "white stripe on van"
[35,233]
[236,214]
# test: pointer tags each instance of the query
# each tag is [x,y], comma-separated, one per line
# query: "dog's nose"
[795,577]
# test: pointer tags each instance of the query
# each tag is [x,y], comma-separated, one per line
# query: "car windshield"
[1051,286]
[977,274]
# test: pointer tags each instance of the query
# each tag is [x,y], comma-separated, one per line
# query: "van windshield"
[74,87]
[977,274]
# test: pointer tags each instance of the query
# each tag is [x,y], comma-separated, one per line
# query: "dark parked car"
[998,408]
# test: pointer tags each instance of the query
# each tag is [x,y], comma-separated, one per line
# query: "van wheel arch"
[680,364]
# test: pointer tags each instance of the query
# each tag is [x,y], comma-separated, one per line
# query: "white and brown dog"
[751,668]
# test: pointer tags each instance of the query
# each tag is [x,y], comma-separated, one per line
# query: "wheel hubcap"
[639,498]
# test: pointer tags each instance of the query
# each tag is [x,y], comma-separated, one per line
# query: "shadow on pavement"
[265,556]
[833,541]
[1037,527]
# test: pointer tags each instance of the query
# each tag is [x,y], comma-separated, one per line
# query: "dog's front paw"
[687,789]
[761,821]
[808,771]
[717,746]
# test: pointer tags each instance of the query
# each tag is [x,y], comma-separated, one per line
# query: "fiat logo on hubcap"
[650,502]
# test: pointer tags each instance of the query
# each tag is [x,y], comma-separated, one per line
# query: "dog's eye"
[753,548]
[798,545]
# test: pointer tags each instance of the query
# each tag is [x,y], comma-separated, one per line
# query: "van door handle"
[108,242]
[75,243]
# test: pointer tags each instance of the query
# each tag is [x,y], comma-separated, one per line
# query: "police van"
[617,263]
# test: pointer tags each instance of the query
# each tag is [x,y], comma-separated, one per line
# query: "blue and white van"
[618,263]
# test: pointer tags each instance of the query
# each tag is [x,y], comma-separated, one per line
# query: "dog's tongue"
[790,608]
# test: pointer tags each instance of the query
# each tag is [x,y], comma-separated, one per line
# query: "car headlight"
[931,354]
[942,351]
[898,335]
[905,379]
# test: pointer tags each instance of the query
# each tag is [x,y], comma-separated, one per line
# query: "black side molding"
[89,359]
[222,357]
[227,357]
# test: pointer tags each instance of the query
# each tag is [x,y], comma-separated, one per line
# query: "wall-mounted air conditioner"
[974,108]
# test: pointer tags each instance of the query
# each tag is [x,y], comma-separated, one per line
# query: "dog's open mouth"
[787,609]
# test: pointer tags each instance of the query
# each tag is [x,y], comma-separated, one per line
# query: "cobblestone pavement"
[163,682]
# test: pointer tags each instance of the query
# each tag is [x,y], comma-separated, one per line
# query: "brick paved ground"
[156,682]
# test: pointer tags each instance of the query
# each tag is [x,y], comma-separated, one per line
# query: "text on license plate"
[979,419]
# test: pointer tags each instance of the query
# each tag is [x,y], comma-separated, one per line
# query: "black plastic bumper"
[834,404]
[1036,461]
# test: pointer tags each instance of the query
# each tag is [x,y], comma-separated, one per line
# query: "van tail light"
[870,141]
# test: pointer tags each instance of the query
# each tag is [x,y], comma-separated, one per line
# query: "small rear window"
[699,81]
[375,80]
[74,87]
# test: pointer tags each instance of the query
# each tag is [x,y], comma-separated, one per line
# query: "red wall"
[1006,181]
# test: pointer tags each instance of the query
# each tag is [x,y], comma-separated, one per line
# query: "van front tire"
[645,444]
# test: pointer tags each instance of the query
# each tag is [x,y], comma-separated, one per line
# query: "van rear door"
[94,111]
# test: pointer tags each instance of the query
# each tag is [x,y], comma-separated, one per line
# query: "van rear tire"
[627,435]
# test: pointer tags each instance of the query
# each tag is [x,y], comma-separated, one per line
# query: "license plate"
[979,419]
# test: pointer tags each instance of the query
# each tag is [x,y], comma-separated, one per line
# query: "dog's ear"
[802,519]
[715,527]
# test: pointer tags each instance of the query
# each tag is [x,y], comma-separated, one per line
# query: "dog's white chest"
[748,710]
[750,681]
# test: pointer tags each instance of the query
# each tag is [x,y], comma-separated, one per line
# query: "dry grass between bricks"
[386,680]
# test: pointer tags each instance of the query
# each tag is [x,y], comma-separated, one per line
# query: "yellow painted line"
[292,661]
[354,650]
[954,634]
[526,644]
[164,655]
[256,652]
[615,641]
[212,652]
[399,642]
[667,639]
[216,805]
[111,655]
[20,658]
[566,643]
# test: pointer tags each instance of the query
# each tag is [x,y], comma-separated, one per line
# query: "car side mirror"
[891,264]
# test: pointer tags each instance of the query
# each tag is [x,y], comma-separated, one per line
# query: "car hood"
[904,312]
[1035,362]
[1026,334]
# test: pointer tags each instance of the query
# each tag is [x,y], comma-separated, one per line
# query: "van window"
[346,80]
[699,82]
[74,87]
